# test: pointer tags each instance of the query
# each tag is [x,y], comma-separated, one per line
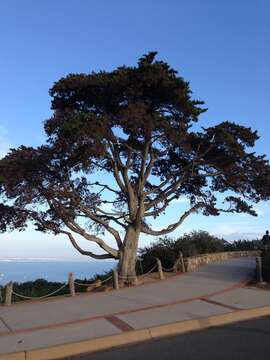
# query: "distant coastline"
[51,269]
[50,259]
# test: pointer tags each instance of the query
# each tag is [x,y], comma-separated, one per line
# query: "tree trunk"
[128,257]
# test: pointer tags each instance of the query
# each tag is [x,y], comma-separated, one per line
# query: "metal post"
[71,284]
[161,275]
[115,279]
[9,289]
[259,269]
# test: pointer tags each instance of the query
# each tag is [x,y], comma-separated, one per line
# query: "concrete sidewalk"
[214,289]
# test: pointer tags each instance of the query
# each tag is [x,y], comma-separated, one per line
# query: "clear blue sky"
[221,47]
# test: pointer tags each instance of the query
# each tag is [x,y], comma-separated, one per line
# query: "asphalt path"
[248,340]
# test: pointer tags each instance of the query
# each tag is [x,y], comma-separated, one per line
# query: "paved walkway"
[210,290]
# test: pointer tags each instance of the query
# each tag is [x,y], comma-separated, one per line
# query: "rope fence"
[149,272]
[9,291]
[71,283]
[38,297]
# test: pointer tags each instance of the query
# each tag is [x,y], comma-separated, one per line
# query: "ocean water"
[51,270]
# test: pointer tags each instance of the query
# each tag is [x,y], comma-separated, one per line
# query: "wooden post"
[182,262]
[161,275]
[115,279]
[9,289]
[71,284]
[259,269]
[98,283]
[179,264]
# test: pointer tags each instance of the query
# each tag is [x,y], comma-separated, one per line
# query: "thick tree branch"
[150,165]
[115,162]
[164,194]
[157,211]
[98,219]
[143,166]
[84,252]
[76,228]
[147,230]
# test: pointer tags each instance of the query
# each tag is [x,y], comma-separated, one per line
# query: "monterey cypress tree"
[134,126]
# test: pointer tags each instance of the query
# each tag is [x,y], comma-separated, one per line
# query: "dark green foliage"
[167,249]
[195,243]
[200,242]
[37,288]
[239,245]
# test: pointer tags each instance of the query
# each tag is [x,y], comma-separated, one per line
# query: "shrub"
[195,243]
[242,245]
[167,249]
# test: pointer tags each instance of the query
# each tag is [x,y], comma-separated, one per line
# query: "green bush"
[242,245]
[195,243]
[200,242]
[167,249]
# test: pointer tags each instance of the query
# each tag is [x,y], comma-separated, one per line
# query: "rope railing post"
[71,284]
[182,262]
[176,266]
[160,271]
[179,264]
[98,283]
[259,269]
[9,290]
[115,279]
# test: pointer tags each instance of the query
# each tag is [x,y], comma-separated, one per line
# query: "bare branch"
[84,252]
[120,214]
[157,188]
[150,165]
[172,227]
[104,186]
[164,194]
[115,160]
[102,222]
[156,212]
[76,228]
[143,166]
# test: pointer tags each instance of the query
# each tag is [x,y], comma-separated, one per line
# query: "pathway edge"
[136,336]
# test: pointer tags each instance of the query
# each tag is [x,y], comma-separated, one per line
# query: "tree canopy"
[137,125]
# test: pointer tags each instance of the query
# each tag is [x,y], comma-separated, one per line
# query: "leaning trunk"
[128,257]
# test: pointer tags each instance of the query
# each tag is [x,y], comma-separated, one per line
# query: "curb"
[136,336]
